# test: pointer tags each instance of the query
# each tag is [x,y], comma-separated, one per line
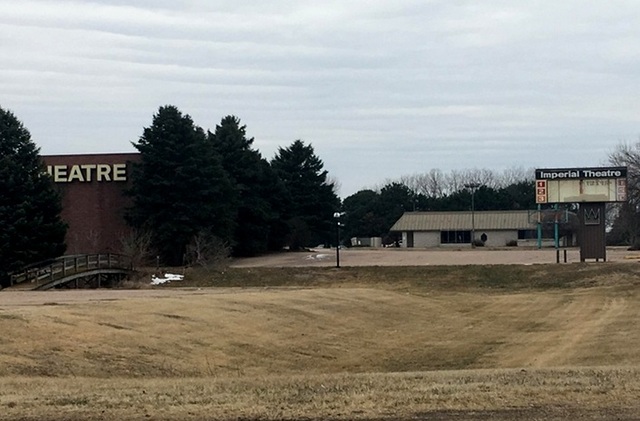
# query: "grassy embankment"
[348,343]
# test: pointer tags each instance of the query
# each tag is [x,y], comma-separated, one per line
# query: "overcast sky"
[379,88]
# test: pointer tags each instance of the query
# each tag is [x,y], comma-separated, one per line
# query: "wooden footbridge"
[78,271]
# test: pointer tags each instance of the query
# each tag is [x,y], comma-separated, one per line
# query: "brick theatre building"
[93,199]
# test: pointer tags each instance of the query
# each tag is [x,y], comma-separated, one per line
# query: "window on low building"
[527,234]
[455,237]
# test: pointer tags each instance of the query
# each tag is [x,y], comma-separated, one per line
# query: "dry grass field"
[440,343]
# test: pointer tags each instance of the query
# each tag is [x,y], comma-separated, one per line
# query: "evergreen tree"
[258,190]
[311,199]
[517,196]
[362,217]
[180,190]
[395,199]
[30,226]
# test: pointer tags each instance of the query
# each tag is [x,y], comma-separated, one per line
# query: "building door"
[410,239]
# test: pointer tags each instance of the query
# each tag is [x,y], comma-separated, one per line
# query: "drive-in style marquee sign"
[579,185]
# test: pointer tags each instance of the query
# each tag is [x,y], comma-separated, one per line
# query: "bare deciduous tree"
[628,155]
[516,175]
[626,216]
[436,184]
[207,251]
[137,246]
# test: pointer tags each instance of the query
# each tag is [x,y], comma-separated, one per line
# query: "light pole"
[338,215]
[473,187]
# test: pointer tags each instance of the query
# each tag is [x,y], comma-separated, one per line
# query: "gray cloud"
[379,88]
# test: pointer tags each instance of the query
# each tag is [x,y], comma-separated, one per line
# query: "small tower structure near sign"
[591,189]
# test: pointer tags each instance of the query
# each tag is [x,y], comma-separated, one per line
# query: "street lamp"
[473,187]
[338,215]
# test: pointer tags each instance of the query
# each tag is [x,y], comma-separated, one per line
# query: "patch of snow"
[316,256]
[168,277]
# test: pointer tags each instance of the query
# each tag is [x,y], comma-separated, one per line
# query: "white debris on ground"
[168,277]
[317,256]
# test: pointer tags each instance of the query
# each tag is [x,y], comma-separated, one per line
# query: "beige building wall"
[497,238]
[422,239]
[426,239]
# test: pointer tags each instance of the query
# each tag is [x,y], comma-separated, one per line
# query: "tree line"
[371,213]
[193,192]
[194,189]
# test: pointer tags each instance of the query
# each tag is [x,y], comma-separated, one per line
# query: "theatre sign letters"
[86,173]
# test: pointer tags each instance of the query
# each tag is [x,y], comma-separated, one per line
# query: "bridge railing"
[52,270]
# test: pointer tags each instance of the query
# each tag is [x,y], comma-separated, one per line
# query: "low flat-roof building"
[493,228]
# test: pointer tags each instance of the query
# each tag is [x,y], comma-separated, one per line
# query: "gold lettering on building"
[119,172]
[60,173]
[104,172]
[75,174]
[85,173]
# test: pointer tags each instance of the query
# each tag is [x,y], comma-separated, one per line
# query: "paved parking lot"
[419,257]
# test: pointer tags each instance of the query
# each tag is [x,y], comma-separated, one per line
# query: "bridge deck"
[66,269]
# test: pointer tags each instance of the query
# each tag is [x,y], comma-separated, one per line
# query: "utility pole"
[473,187]
[337,216]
